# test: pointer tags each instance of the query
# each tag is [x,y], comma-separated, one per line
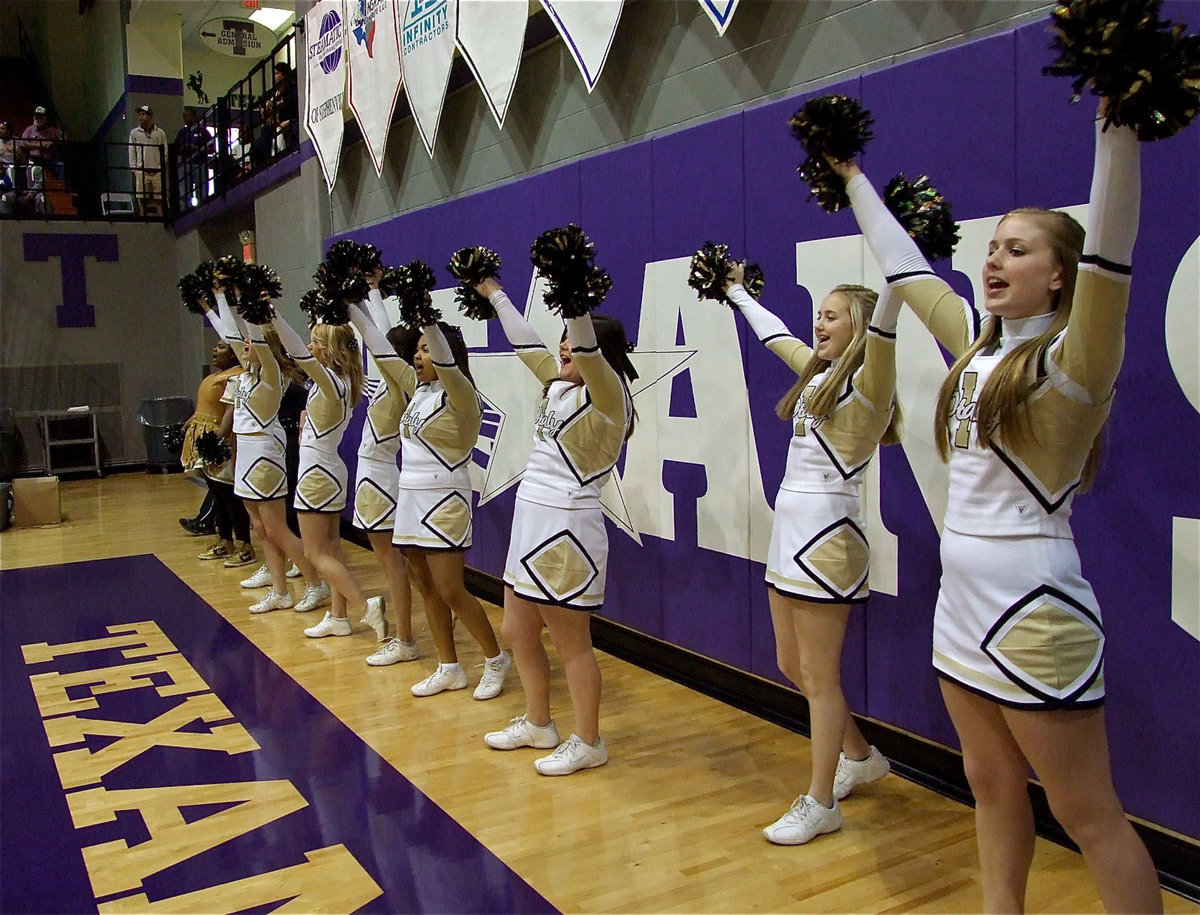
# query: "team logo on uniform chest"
[546,423]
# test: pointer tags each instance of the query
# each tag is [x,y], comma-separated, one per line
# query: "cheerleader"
[1018,640]
[557,557]
[332,361]
[438,432]
[375,497]
[841,407]
[260,474]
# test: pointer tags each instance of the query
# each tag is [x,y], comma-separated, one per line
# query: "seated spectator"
[8,147]
[278,112]
[39,142]
[193,146]
[147,157]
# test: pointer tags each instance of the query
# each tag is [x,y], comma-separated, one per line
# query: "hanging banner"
[374,72]
[588,27]
[427,46]
[324,32]
[491,37]
[720,12]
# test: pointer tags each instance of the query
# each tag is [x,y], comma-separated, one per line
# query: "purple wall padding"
[992,133]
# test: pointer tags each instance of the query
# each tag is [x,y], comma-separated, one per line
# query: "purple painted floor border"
[420,858]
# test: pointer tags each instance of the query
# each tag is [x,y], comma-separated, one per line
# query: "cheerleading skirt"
[1017,623]
[321,480]
[558,556]
[433,519]
[375,494]
[818,548]
[260,468]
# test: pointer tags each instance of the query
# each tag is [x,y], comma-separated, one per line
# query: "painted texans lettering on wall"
[85,717]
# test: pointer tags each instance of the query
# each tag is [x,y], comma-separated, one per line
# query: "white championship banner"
[324,31]
[720,12]
[588,27]
[427,47]
[374,70]
[491,37]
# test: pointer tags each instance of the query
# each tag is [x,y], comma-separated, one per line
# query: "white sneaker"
[441,680]
[806,820]
[328,626]
[393,652]
[273,601]
[314,596]
[854,772]
[375,619]
[520,733]
[571,756]
[294,571]
[260,579]
[491,684]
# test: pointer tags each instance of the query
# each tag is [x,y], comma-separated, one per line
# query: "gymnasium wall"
[691,504]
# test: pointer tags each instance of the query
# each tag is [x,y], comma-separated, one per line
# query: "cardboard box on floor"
[35,501]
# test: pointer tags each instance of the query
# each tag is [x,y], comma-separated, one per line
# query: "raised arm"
[270,372]
[224,323]
[950,319]
[876,378]
[601,379]
[1091,350]
[521,336]
[460,391]
[397,374]
[308,363]
[769,329]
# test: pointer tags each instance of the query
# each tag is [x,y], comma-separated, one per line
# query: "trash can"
[156,416]
[8,444]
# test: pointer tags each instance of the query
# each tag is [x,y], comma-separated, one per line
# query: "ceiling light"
[272,18]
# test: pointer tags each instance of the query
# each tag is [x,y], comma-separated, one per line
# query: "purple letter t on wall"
[72,249]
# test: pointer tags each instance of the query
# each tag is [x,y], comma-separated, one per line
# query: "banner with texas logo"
[691,499]
[588,27]
[324,34]
[427,47]
[491,37]
[374,70]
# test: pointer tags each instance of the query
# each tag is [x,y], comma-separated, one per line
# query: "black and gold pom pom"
[924,214]
[416,306]
[709,271]
[835,126]
[753,280]
[193,291]
[228,271]
[212,448]
[343,257]
[1146,67]
[565,257]
[370,258]
[471,266]
[392,280]
[173,438]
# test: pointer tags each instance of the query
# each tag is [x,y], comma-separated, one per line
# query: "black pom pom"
[392,281]
[471,266]
[193,291]
[835,126]
[212,448]
[207,272]
[257,310]
[1146,67]
[753,280]
[924,214]
[173,438]
[259,280]
[416,308]
[343,257]
[228,271]
[323,310]
[709,271]
[564,256]
[370,258]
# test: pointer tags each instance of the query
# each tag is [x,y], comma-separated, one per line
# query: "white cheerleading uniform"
[322,478]
[1015,619]
[819,550]
[558,553]
[260,465]
[377,472]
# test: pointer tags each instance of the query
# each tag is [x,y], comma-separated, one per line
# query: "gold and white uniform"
[1015,619]
[210,408]
[819,548]
[377,473]
[321,481]
[260,465]
[558,553]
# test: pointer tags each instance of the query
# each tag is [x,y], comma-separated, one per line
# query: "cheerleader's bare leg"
[318,533]
[437,613]
[522,630]
[395,572]
[571,633]
[446,568]
[274,519]
[272,556]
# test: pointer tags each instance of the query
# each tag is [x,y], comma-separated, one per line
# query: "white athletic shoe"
[495,670]
[571,756]
[328,626]
[294,571]
[806,820]
[260,579]
[314,596]
[520,733]
[374,617]
[394,651]
[851,773]
[273,601]
[441,680]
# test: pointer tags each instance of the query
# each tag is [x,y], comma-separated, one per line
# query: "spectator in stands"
[278,113]
[193,146]
[8,147]
[147,156]
[39,142]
